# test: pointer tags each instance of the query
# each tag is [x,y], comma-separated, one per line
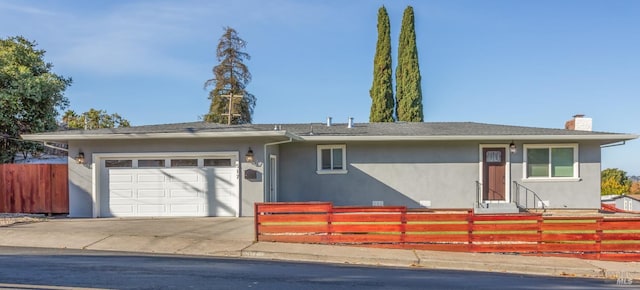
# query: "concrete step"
[493,208]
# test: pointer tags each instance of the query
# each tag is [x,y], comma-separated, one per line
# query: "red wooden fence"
[592,237]
[34,188]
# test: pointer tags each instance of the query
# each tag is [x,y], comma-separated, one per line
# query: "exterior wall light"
[249,156]
[512,148]
[80,158]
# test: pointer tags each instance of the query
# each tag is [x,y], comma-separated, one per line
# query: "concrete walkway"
[234,237]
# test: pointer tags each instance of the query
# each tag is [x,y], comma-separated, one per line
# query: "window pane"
[326,158]
[118,163]
[151,163]
[337,158]
[217,162]
[538,162]
[184,162]
[562,162]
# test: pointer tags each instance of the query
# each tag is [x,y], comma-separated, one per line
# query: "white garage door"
[204,189]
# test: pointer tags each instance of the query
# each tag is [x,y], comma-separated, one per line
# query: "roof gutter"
[603,137]
[125,136]
[44,143]
[614,144]
[265,190]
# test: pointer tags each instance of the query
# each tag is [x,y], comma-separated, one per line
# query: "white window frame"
[576,162]
[319,149]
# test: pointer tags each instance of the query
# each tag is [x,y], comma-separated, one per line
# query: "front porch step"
[493,208]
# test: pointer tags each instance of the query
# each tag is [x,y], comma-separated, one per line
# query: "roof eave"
[177,135]
[607,138]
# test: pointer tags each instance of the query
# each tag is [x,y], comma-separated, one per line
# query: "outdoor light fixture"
[80,158]
[512,148]
[249,156]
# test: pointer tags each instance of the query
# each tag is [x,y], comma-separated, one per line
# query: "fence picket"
[450,230]
[34,188]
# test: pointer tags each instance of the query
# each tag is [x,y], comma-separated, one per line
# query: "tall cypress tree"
[408,88]
[382,89]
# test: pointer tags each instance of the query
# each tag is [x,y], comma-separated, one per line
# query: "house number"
[494,156]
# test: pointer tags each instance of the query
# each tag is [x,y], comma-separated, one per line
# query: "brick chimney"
[580,123]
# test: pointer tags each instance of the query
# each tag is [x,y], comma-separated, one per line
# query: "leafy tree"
[635,188]
[93,119]
[30,96]
[614,181]
[382,89]
[230,78]
[408,87]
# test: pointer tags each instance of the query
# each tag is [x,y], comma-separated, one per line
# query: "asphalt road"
[29,268]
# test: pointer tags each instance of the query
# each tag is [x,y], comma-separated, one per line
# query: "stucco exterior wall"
[438,174]
[442,173]
[583,193]
[80,175]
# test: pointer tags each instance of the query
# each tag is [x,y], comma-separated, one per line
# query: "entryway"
[494,175]
[494,193]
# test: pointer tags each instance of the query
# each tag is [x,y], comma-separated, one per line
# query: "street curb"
[330,254]
[526,269]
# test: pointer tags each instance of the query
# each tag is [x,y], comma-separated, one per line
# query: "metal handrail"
[527,190]
[478,191]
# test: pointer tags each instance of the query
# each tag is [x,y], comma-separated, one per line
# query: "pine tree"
[230,102]
[382,89]
[408,88]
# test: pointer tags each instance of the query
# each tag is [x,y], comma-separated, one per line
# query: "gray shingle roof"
[434,130]
[424,129]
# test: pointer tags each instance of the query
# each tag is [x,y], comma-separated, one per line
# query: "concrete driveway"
[198,236]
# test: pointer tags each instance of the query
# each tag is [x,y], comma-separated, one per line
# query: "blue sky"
[530,63]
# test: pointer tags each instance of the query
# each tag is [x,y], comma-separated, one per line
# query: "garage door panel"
[121,193]
[151,209]
[151,178]
[210,191]
[185,194]
[122,209]
[121,178]
[188,209]
[180,178]
[151,193]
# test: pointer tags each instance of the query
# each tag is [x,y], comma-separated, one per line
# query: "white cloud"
[128,40]
[25,9]
[148,38]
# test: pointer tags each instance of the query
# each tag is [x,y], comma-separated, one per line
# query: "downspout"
[264,183]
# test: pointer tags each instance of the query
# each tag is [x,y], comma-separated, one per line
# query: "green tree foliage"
[408,87]
[635,187]
[382,89]
[614,181]
[230,77]
[30,96]
[93,119]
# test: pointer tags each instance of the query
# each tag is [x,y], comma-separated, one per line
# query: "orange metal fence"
[449,230]
[34,188]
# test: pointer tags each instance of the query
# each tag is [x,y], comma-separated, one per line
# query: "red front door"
[494,170]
